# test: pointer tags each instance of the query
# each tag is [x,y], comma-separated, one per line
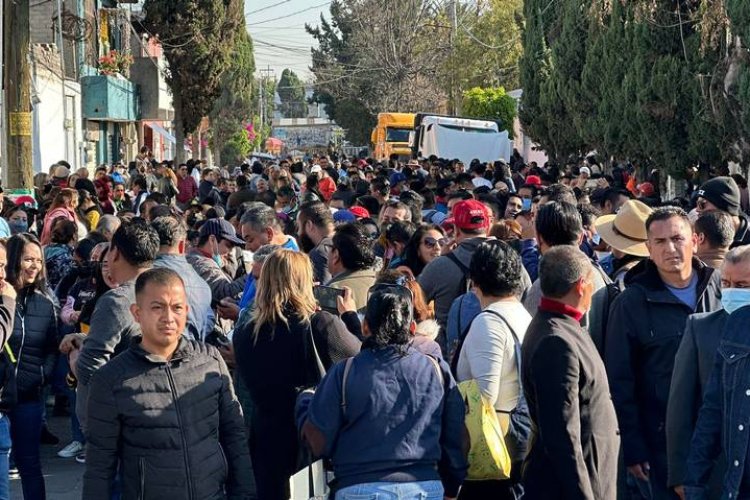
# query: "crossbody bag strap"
[517,346]
[347,367]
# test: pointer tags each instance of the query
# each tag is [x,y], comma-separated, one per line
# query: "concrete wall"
[57,133]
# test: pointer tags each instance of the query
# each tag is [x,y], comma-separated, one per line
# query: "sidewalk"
[63,476]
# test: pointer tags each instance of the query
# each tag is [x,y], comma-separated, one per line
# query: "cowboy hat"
[626,230]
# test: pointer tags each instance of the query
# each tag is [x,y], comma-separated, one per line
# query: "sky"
[279,36]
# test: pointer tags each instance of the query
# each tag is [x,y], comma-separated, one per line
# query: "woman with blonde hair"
[63,205]
[276,355]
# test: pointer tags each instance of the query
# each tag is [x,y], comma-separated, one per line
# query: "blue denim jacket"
[724,419]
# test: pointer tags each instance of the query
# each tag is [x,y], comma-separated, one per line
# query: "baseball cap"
[397,177]
[220,228]
[316,169]
[585,170]
[359,212]
[470,214]
[534,180]
[344,216]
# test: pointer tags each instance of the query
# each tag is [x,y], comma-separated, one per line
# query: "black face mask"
[305,243]
[86,269]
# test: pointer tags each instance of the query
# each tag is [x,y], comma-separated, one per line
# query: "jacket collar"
[553,306]
[655,289]
[367,273]
[184,351]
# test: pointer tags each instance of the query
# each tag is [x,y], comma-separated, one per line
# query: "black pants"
[488,490]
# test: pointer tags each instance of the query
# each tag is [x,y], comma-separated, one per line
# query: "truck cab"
[391,136]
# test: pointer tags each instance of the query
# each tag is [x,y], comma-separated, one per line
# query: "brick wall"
[40,21]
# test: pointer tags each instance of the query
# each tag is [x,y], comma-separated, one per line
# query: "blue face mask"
[596,239]
[734,298]
[18,226]
[217,259]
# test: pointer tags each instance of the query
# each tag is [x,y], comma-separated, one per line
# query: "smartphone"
[526,205]
[326,297]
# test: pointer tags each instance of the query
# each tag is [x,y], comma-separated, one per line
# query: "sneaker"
[73,449]
[81,458]
[13,473]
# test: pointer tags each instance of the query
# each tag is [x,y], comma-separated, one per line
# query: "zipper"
[173,388]
[142,472]
[23,337]
[224,459]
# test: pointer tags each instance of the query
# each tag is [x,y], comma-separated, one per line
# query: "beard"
[305,243]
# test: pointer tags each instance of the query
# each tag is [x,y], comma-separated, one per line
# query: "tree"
[292,95]
[236,148]
[492,104]
[234,107]
[197,38]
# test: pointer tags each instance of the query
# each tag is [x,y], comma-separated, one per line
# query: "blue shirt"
[687,295]
[248,294]
[4,229]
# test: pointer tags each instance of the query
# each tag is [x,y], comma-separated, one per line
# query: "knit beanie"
[722,192]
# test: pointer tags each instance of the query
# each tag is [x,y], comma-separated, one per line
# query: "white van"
[451,137]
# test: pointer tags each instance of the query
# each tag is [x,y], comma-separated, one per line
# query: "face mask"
[217,257]
[734,298]
[18,226]
[596,239]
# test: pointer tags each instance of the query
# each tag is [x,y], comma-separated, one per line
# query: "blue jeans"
[26,431]
[422,490]
[4,456]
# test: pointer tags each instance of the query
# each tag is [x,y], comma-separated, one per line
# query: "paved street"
[63,476]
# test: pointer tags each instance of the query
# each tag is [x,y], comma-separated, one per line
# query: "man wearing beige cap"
[625,233]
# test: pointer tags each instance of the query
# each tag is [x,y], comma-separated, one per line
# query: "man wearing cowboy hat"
[645,325]
[625,233]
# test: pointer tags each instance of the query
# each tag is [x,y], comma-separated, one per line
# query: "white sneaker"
[71,450]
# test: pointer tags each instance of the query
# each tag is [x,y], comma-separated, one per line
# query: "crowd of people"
[212,332]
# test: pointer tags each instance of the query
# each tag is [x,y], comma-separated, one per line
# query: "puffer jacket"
[33,342]
[175,427]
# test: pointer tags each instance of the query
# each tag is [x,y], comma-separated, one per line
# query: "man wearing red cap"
[444,278]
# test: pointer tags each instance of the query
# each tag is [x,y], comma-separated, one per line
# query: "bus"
[391,136]
[465,139]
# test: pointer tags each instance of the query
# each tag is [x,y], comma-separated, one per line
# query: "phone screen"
[326,297]
[526,205]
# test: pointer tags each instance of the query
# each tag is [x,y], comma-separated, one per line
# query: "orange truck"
[391,135]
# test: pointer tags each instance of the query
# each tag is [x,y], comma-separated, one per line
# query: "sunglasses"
[431,242]
[702,204]
[394,288]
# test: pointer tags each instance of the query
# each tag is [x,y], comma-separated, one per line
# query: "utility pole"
[455,91]
[17,87]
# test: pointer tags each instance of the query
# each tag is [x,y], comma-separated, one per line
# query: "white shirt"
[488,354]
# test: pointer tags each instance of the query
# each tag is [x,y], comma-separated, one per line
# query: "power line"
[267,7]
[292,14]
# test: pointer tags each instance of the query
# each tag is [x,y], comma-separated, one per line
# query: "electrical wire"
[290,15]
[266,8]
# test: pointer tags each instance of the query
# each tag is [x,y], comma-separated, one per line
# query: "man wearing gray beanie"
[723,194]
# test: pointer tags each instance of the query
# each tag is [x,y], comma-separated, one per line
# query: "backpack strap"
[464,269]
[517,347]
[347,367]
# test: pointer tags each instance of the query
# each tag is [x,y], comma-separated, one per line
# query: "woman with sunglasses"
[390,419]
[423,247]
[273,352]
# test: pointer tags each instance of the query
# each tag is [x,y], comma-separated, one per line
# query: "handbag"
[310,482]
[488,456]
[488,459]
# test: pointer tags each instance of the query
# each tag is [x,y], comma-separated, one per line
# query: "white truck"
[452,137]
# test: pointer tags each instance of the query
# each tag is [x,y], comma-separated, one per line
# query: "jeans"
[4,456]
[75,425]
[26,431]
[422,490]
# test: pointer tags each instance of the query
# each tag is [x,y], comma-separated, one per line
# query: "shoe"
[13,473]
[70,451]
[48,437]
[81,458]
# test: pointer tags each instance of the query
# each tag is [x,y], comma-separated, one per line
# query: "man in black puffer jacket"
[165,410]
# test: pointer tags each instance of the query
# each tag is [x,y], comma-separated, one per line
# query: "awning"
[161,131]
